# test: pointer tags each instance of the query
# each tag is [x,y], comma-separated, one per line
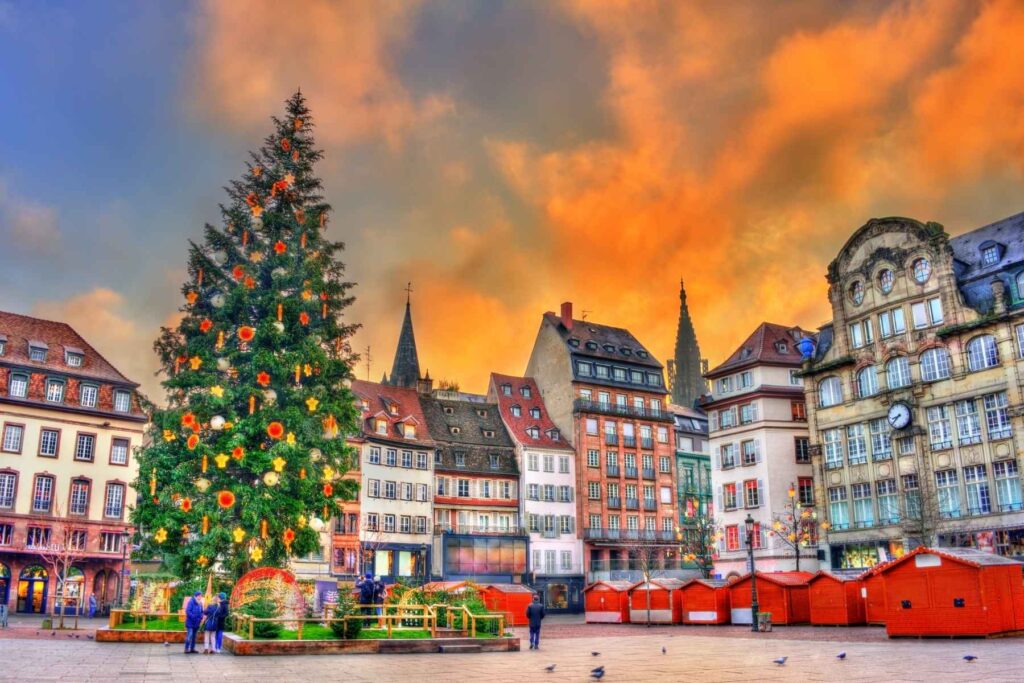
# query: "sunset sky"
[502,156]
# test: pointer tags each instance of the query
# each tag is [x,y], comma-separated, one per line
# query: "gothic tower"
[405,370]
[687,379]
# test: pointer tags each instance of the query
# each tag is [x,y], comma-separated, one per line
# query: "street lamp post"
[125,537]
[423,561]
[749,523]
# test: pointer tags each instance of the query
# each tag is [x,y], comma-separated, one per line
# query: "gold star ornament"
[161,535]
[217,390]
[256,554]
[195,362]
[169,435]
[221,460]
[290,439]
[238,534]
[312,403]
[278,463]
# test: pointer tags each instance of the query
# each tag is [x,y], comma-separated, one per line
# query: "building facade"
[396,474]
[71,424]
[914,391]
[477,528]
[759,449]
[693,464]
[547,487]
[606,393]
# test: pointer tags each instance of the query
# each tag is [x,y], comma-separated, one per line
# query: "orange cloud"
[252,54]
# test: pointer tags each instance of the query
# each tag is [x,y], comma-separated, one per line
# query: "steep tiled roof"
[462,427]
[58,337]
[974,277]
[584,331]
[517,426]
[762,347]
[378,400]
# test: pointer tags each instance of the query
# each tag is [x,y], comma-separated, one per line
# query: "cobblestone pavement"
[633,657]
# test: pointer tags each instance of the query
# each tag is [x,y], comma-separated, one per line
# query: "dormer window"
[516,411]
[782,347]
[364,404]
[448,410]
[122,401]
[991,254]
[495,461]
[574,342]
[553,434]
[3,344]
[626,351]
[37,351]
[73,358]
[460,458]
[409,430]
[393,408]
[489,433]
[591,345]
[642,354]
[382,426]
[533,432]
[454,430]
[506,389]
[610,348]
[535,413]
[481,412]
[525,391]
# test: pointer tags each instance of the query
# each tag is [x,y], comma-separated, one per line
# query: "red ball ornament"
[263,379]
[328,489]
[280,247]
[286,144]
[205,326]
[275,430]
[246,333]
[225,499]
[192,442]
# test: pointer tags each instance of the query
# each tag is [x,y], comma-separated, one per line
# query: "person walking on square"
[222,618]
[92,605]
[193,618]
[535,615]
[210,626]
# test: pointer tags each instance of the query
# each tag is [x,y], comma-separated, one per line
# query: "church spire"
[687,382]
[405,370]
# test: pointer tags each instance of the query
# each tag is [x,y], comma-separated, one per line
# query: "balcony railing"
[632,504]
[614,502]
[629,535]
[556,570]
[631,472]
[550,533]
[649,473]
[604,408]
[613,470]
[647,442]
[629,441]
[1007,507]
[650,504]
[611,439]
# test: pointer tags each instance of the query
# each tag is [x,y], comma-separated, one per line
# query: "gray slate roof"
[470,422]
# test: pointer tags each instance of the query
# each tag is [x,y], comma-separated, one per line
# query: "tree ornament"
[328,489]
[315,454]
[191,297]
[199,278]
[263,528]
[286,144]
[257,171]
[302,473]
[302,238]
[306,295]
[304,318]
[277,188]
[161,535]
[238,272]
[312,403]
[222,460]
[225,499]
[278,463]
[275,430]
[217,301]
[290,439]
[255,256]
[256,554]
[202,484]
[223,364]
[330,428]
[238,534]
[202,561]
[298,373]
[328,473]
[192,442]
[218,391]
[252,199]
[206,325]
[186,504]
[270,396]
[237,452]
[246,333]
[195,362]
[316,524]
[280,312]
[263,378]
[288,536]
[188,419]
[169,435]
[300,216]
[289,179]
[205,465]
[295,155]
[252,404]
[279,326]
[217,422]
[323,311]
[296,123]
[271,478]
[152,482]
[206,525]
[250,283]
[307,369]
[302,521]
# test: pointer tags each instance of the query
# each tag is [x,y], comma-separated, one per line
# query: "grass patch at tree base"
[152,625]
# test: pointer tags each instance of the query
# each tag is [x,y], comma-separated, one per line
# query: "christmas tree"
[245,462]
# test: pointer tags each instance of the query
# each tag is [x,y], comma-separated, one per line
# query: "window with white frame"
[838,508]
[122,401]
[833,448]
[949,493]
[830,392]
[119,451]
[922,270]
[37,354]
[13,437]
[373,487]
[391,457]
[727,418]
[748,413]
[729,496]
[8,484]
[372,521]
[867,381]
[374,456]
[18,386]
[48,442]
[54,391]
[565,494]
[42,494]
[1020,333]
[881,444]
[390,490]
[968,426]
[87,395]
[856,337]
[856,444]
[912,495]
[888,501]
[997,415]
[593,458]
[897,372]
[794,378]
[85,447]
[727,455]
[990,255]
[979,502]
[746,379]
[594,490]
[389,523]
[421,525]
[750,452]
[1008,494]
[563,464]
[863,506]
[114,506]
[422,492]
[664,464]
[405,524]
[935,365]
[549,463]
[421,460]
[982,353]
[939,431]
[407,459]
[407,490]
[37,537]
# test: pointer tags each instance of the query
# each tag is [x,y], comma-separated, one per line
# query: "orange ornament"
[257,171]
[295,155]
[302,239]
[186,504]
[297,123]
[328,489]
[275,430]
[304,318]
[252,200]
[225,499]
[188,419]
[280,312]
[279,186]
[263,379]
[237,452]
[191,297]
[206,325]
[286,144]
[263,528]
[288,536]
[237,272]
[192,442]
[206,525]
[206,464]
[280,247]
[250,283]
[246,333]
[302,473]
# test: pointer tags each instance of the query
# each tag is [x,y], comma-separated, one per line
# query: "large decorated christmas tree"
[245,462]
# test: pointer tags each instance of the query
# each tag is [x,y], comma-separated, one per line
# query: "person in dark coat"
[222,618]
[380,591]
[366,588]
[92,605]
[210,626]
[193,618]
[535,614]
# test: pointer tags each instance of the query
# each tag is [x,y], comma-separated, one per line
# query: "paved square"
[627,653]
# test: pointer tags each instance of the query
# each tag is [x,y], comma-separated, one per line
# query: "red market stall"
[835,600]
[953,592]
[872,591]
[705,601]
[784,594]
[512,599]
[666,602]
[607,602]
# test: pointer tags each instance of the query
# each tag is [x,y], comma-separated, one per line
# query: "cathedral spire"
[405,370]
[687,382]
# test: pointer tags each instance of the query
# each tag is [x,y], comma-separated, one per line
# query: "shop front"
[866,554]
[483,558]
[560,594]
[393,561]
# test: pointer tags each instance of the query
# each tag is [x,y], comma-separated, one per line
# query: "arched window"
[867,382]
[982,353]
[897,372]
[857,293]
[885,281]
[935,365]
[830,392]
[922,269]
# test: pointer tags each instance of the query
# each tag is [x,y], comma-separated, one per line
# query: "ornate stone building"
[914,391]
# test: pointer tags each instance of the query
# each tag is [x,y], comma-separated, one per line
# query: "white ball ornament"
[223,364]
[270,396]
[279,272]
[279,326]
[217,423]
[217,301]
[315,454]
[316,524]
[271,478]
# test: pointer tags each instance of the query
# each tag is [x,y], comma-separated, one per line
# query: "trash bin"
[764,621]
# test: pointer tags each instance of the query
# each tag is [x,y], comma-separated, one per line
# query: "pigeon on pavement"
[594,671]
[841,655]
[663,649]
[549,668]
[970,658]
[598,675]
[780,661]
[595,653]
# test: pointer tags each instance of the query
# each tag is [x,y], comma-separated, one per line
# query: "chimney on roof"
[425,385]
[567,315]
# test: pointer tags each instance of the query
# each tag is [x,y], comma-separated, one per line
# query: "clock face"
[899,415]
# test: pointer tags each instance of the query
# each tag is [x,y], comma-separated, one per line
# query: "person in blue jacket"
[193,618]
[210,626]
[222,618]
